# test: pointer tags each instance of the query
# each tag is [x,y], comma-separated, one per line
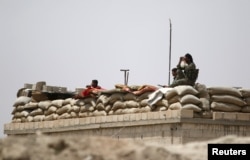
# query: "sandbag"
[57,103]
[79,102]
[73,115]
[44,104]
[108,108]
[192,107]
[190,99]
[99,113]
[245,92]
[174,99]
[31,105]
[205,104]
[225,107]
[162,102]
[175,106]
[118,105]
[100,107]
[143,96]
[103,99]
[36,112]
[75,108]
[38,118]
[51,109]
[131,104]
[160,108]
[51,117]
[224,91]
[185,89]
[116,97]
[245,109]
[63,109]
[22,100]
[145,109]
[143,103]
[129,96]
[64,116]
[171,92]
[130,110]
[228,99]
[202,90]
[247,100]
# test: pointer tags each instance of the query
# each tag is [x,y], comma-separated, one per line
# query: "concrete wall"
[165,127]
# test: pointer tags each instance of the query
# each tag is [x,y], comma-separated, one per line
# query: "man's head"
[94,83]
[188,58]
[174,72]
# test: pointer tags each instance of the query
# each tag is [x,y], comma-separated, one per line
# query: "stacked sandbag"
[87,106]
[204,96]
[183,97]
[246,97]
[226,99]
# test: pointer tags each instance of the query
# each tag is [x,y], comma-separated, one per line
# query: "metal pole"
[170,41]
[125,75]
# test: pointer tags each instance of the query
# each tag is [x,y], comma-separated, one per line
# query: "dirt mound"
[42,147]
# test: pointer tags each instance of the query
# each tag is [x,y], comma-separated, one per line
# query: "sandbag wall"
[200,99]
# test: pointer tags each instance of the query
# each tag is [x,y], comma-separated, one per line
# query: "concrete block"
[144,116]
[114,118]
[16,126]
[163,114]
[103,119]
[76,121]
[84,120]
[175,114]
[126,117]
[98,119]
[186,113]
[36,125]
[218,115]
[7,126]
[243,116]
[132,117]
[138,116]
[120,118]
[150,115]
[230,116]
[40,124]
[156,115]
[92,120]
[109,118]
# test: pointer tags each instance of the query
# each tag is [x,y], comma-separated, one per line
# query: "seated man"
[186,72]
[91,90]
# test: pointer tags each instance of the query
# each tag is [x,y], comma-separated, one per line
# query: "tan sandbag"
[67,101]
[64,116]
[175,106]
[228,99]
[14,111]
[83,114]
[51,117]
[224,91]
[143,103]
[57,103]
[36,112]
[160,108]
[162,102]
[99,113]
[174,99]
[202,90]
[131,104]
[29,119]
[190,99]
[104,99]
[130,110]
[118,105]
[170,94]
[18,115]
[205,104]
[143,96]
[217,106]
[193,107]
[19,108]
[44,105]
[90,100]
[245,109]
[111,112]
[31,105]
[63,109]
[116,97]
[118,111]
[75,108]
[129,96]
[79,102]
[247,100]
[145,109]
[245,92]
[22,100]
[73,115]
[51,109]
[16,120]
[38,118]
[100,107]
[186,89]
[108,108]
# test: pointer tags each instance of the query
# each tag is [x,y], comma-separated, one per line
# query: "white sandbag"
[190,99]
[224,91]
[57,103]
[175,106]
[79,102]
[192,107]
[64,116]
[73,115]
[22,100]
[186,89]
[51,117]
[30,119]
[51,109]
[19,108]
[16,120]
[217,106]
[73,102]
[31,105]
[116,97]
[104,99]
[36,112]
[111,112]
[129,96]
[228,99]
[202,90]
[24,113]
[83,114]
[44,104]
[245,109]
[38,118]
[63,109]
[118,105]
[205,104]
[245,92]
[131,104]
[14,111]
[118,111]
[99,113]
[67,101]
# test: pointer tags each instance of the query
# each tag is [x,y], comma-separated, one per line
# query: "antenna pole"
[170,41]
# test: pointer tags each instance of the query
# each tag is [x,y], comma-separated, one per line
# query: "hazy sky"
[70,42]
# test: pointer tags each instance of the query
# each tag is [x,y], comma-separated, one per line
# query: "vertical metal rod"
[170,41]
[125,75]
